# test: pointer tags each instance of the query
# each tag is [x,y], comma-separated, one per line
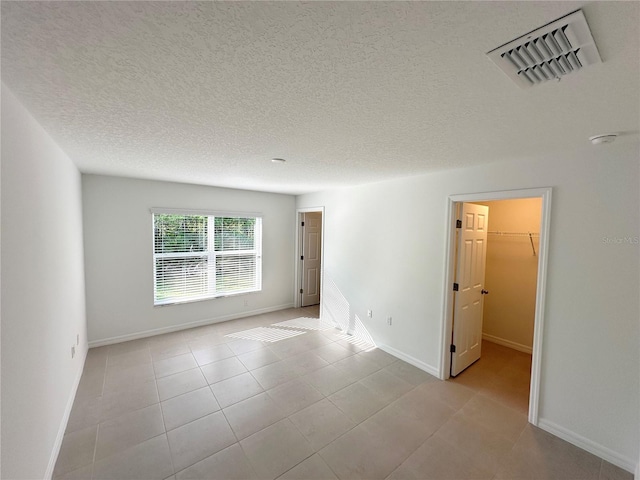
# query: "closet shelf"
[529,235]
[514,234]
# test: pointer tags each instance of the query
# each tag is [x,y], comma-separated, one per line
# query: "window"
[204,256]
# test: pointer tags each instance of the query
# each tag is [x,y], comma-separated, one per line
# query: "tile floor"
[199,405]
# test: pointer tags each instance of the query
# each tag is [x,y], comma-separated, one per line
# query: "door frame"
[538,326]
[298,252]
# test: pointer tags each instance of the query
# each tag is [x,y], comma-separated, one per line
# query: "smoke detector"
[559,48]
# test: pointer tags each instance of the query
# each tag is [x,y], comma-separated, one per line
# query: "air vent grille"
[550,52]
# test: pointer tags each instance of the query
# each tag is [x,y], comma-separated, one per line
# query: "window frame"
[211,254]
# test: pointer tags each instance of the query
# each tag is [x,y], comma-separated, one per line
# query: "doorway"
[454,209]
[309,242]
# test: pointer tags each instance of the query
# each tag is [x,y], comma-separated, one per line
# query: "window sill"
[203,299]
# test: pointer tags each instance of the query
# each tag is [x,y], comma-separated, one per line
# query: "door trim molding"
[538,328]
[297,301]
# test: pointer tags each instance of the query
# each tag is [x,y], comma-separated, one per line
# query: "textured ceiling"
[347,92]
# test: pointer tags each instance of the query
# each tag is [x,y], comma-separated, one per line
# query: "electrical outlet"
[369,314]
[389,320]
[73,351]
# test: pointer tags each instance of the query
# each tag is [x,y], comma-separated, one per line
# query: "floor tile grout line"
[453,446]
[301,461]
[373,413]
[104,375]
[235,435]
[173,468]
[164,424]
[355,424]
[479,392]
[248,460]
[412,452]
[332,341]
[299,376]
[118,452]
[303,436]
[207,457]
[95,448]
[248,371]
[195,419]
[513,446]
[600,470]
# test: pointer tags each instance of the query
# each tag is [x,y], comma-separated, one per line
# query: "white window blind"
[205,256]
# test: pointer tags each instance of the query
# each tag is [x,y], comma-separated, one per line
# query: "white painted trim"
[65,419]
[507,343]
[588,445]
[297,280]
[409,359]
[185,326]
[446,326]
[538,321]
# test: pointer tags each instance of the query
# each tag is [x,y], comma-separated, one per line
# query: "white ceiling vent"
[550,52]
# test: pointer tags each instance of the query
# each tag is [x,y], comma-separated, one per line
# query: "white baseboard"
[65,419]
[185,326]
[588,445]
[409,359]
[507,343]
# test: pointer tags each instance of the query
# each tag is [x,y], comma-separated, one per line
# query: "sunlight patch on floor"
[265,334]
[360,337]
[306,323]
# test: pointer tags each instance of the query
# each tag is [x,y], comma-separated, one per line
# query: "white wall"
[119,255]
[511,273]
[43,304]
[385,250]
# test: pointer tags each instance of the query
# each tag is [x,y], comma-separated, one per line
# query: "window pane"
[180,233]
[235,273]
[234,233]
[200,256]
[181,278]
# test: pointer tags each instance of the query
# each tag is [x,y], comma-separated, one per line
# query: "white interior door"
[311,257]
[468,299]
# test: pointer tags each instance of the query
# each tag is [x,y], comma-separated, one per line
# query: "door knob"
[484,292]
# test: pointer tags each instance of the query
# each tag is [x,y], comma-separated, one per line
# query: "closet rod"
[514,234]
[519,234]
